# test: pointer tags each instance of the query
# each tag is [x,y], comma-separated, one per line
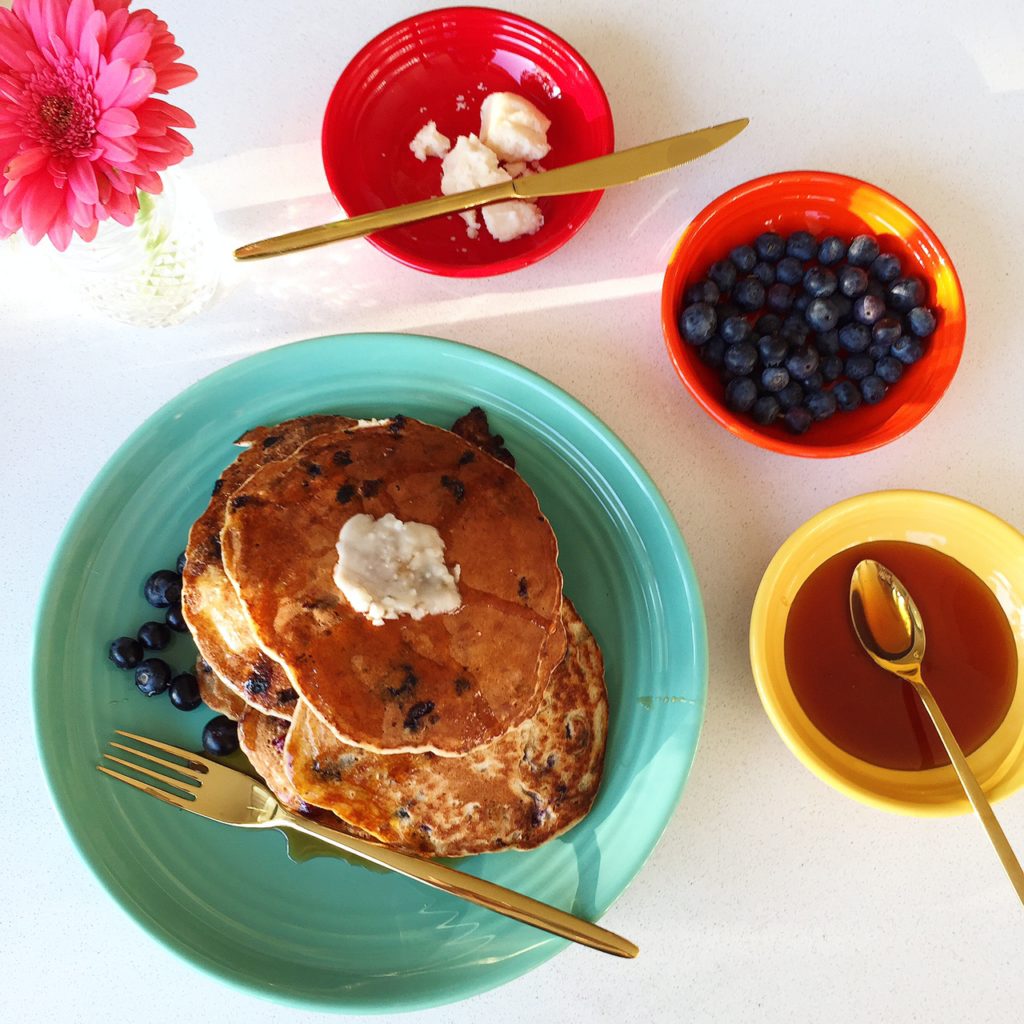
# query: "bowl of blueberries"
[813,314]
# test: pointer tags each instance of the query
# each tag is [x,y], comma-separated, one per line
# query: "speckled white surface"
[770,896]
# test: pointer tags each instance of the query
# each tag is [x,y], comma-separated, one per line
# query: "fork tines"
[187,768]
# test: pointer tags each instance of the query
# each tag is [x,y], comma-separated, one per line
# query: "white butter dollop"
[428,141]
[517,217]
[387,567]
[470,164]
[513,127]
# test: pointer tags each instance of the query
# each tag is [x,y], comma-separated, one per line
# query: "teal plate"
[326,933]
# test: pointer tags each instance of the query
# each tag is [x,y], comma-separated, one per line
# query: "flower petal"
[117,123]
[89,42]
[39,207]
[132,47]
[28,161]
[140,86]
[79,12]
[46,17]
[82,179]
[15,42]
[60,233]
[111,82]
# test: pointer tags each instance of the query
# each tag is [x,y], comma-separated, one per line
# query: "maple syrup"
[970,659]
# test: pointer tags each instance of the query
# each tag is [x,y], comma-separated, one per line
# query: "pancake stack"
[447,735]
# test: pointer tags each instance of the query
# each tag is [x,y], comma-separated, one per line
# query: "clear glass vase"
[161,269]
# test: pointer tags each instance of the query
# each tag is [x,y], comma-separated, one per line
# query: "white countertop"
[770,897]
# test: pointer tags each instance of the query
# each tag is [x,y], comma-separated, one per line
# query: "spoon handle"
[973,790]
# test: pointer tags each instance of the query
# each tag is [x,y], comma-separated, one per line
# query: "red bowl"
[414,72]
[823,204]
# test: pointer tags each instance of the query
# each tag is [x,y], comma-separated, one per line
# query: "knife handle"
[364,224]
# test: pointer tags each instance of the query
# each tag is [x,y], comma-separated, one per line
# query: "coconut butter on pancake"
[444,682]
[517,791]
[208,600]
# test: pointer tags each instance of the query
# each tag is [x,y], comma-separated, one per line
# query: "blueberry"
[889,369]
[886,267]
[815,382]
[854,337]
[791,395]
[768,323]
[821,404]
[184,692]
[859,366]
[822,315]
[878,350]
[152,676]
[863,251]
[744,257]
[907,349]
[831,368]
[852,281]
[697,324]
[801,302]
[886,330]
[741,394]
[772,350]
[726,310]
[741,359]
[125,652]
[798,419]
[735,329]
[711,352]
[774,378]
[802,363]
[827,343]
[873,389]
[876,289]
[867,309]
[820,282]
[847,395]
[789,270]
[780,297]
[766,410]
[765,273]
[154,635]
[770,246]
[921,321]
[844,307]
[802,245]
[906,293]
[180,564]
[702,291]
[163,588]
[831,250]
[723,273]
[220,736]
[749,294]
[175,619]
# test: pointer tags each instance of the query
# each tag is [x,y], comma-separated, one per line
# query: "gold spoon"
[890,629]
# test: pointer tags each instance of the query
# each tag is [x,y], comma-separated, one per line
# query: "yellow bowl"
[992,549]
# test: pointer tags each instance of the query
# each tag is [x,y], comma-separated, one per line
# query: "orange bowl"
[824,204]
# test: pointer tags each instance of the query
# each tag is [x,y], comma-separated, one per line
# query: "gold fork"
[215,791]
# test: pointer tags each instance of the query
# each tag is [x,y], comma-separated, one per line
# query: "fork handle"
[467,887]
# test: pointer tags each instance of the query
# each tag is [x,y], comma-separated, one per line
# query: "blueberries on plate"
[765,273]
[741,359]
[821,404]
[184,692]
[770,246]
[126,652]
[906,293]
[174,618]
[723,273]
[774,378]
[780,297]
[889,368]
[767,323]
[873,389]
[852,281]
[886,267]
[220,736]
[921,321]
[820,282]
[749,294]
[886,330]
[791,395]
[766,410]
[163,588]
[854,337]
[744,257]
[863,251]
[847,395]
[154,635]
[772,349]
[735,329]
[831,251]
[152,676]
[789,270]
[180,564]
[697,324]
[802,362]
[798,419]
[859,366]
[711,352]
[831,368]
[867,309]
[827,343]
[907,349]
[822,315]
[703,291]
[802,245]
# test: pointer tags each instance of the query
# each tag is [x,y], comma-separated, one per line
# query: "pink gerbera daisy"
[80,127]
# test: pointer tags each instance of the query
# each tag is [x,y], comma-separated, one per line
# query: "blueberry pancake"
[438,682]
[517,791]
[216,694]
[208,601]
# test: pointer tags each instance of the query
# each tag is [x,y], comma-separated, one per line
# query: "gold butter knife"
[622,168]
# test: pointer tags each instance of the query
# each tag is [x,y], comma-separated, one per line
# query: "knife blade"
[621,168]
